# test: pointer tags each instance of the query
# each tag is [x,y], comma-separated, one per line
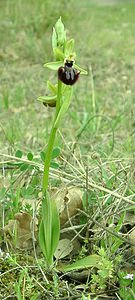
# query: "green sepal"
[54,65]
[57,64]
[82,71]
[47,99]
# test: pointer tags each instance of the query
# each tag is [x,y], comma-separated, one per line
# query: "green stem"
[48,159]
[51,142]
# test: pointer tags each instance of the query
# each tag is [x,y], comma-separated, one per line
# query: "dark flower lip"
[67,74]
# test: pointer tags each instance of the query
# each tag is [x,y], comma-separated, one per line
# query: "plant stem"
[51,141]
[48,159]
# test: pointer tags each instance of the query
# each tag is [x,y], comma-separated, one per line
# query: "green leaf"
[82,71]
[54,65]
[30,156]
[41,238]
[47,222]
[30,190]
[56,152]
[54,165]
[24,167]
[19,153]
[27,192]
[84,263]
[49,229]
[42,155]
[55,226]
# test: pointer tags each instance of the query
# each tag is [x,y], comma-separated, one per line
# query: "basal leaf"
[47,220]
[49,229]
[55,227]
[41,237]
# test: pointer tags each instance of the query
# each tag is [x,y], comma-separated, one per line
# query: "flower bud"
[51,104]
[59,35]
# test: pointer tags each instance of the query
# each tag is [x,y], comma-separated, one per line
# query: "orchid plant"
[60,98]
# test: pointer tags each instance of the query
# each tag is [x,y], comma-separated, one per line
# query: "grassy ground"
[101,119]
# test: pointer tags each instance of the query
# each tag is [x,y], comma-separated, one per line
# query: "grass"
[97,136]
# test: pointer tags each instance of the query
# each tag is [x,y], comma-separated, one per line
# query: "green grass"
[102,112]
[107,45]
